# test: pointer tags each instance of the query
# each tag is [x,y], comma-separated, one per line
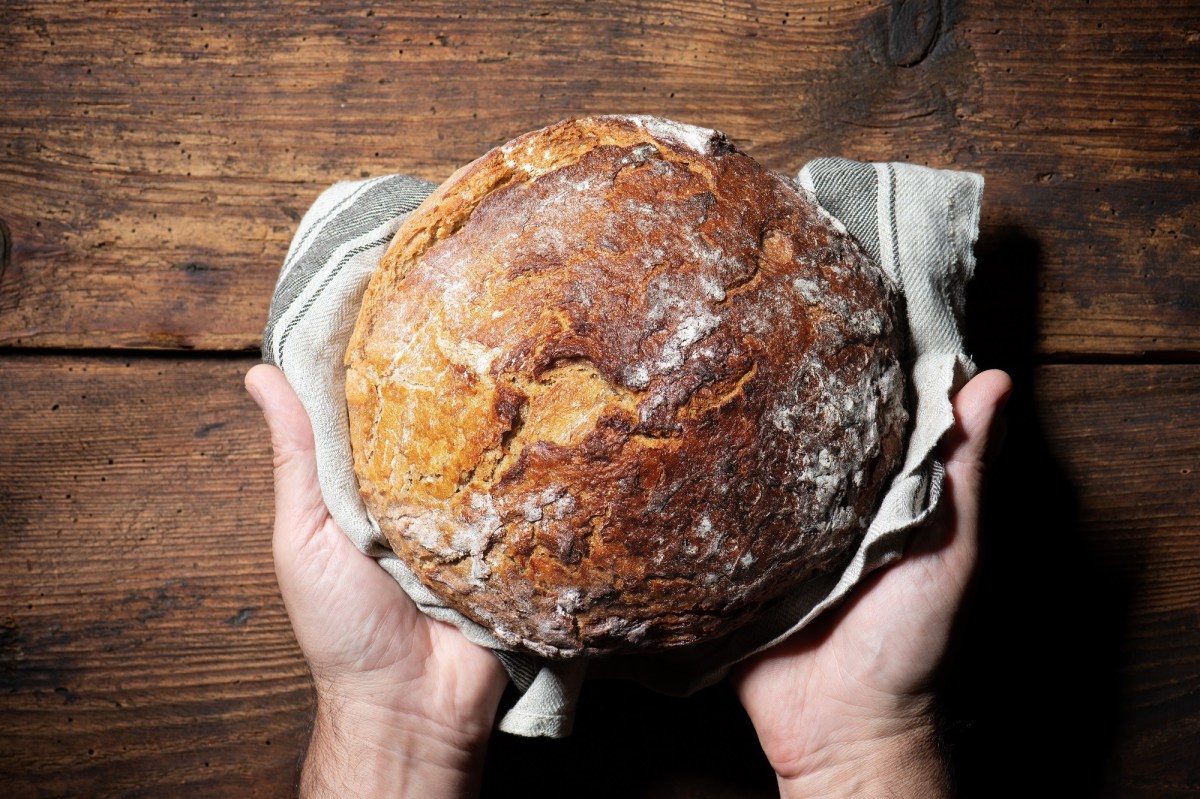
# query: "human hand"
[405,704]
[845,707]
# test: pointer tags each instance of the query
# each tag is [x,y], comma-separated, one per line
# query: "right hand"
[844,707]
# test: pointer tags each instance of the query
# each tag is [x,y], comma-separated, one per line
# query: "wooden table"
[157,159]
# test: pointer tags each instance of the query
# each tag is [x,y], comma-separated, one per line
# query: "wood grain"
[144,644]
[1082,659]
[158,157]
[144,650]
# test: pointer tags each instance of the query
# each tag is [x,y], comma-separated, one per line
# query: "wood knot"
[913,29]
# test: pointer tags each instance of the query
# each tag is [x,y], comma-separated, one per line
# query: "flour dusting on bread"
[616,387]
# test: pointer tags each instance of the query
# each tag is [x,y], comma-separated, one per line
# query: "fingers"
[976,413]
[274,395]
[964,451]
[298,501]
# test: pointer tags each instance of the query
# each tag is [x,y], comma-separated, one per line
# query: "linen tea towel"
[919,223]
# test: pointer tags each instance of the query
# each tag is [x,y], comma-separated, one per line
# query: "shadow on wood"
[5,248]
[1036,685]
[632,742]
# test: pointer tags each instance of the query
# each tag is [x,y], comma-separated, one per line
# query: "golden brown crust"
[616,387]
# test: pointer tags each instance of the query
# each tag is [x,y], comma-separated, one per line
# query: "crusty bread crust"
[615,387]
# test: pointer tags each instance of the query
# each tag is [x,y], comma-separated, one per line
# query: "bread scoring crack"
[702,402]
[664,338]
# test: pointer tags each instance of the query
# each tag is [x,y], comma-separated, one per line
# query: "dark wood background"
[157,157]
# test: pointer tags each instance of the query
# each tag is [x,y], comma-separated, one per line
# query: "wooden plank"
[144,644]
[144,649]
[157,157]
[1082,661]
[1130,449]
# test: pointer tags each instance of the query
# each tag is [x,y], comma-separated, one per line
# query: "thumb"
[977,422]
[977,410]
[299,506]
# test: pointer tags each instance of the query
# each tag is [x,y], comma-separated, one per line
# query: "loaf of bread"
[615,387]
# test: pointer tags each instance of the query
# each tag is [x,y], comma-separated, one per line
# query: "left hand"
[405,704]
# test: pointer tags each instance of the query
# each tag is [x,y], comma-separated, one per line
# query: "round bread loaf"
[616,387]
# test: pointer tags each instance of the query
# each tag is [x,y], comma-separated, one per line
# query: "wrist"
[890,760]
[360,749]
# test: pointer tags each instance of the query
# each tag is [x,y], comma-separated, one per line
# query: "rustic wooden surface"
[145,646]
[156,159]
[158,156]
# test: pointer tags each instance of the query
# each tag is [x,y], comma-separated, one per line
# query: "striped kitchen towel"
[919,223]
